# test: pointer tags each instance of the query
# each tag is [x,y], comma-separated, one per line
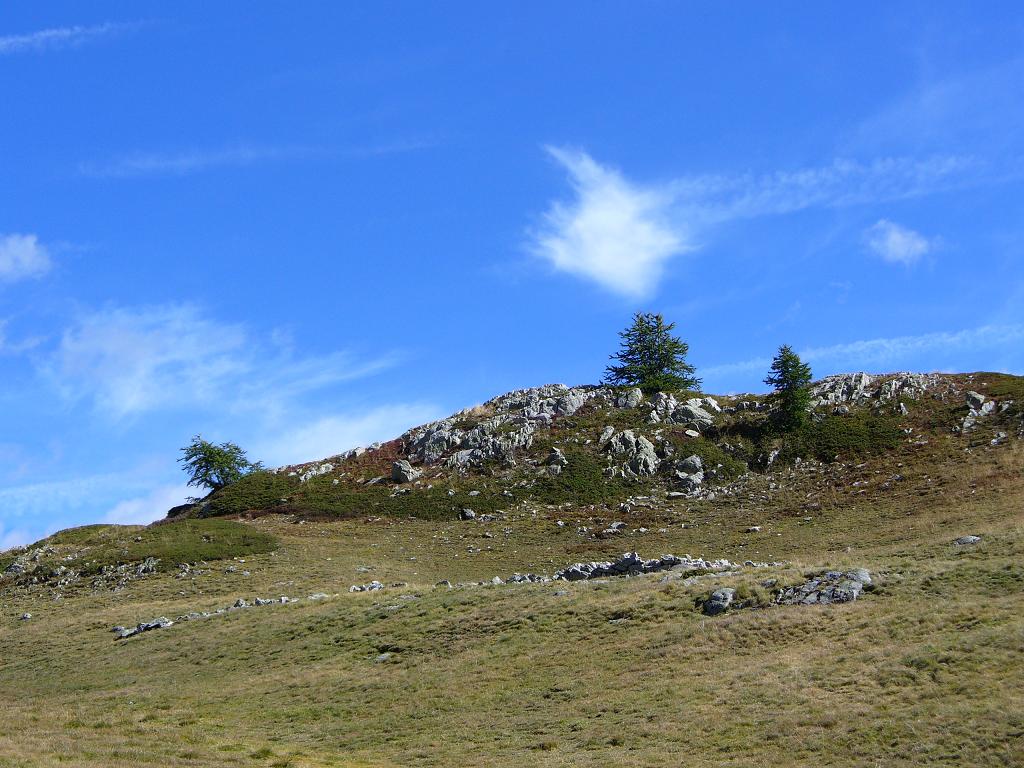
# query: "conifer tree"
[651,357]
[215,466]
[790,376]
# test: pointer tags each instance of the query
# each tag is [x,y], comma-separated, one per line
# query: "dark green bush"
[856,435]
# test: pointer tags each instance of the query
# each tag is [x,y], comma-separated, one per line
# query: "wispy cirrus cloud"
[196,160]
[978,110]
[62,37]
[189,161]
[34,510]
[130,360]
[885,352]
[22,257]
[896,244]
[330,434]
[148,507]
[621,234]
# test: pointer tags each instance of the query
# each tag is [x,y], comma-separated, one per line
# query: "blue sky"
[307,231]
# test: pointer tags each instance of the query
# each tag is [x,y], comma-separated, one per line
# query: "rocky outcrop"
[498,429]
[698,412]
[503,427]
[145,626]
[828,587]
[907,385]
[631,564]
[641,458]
[556,461]
[841,389]
[316,471]
[978,407]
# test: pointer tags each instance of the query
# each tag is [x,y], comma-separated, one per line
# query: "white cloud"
[330,435]
[896,244]
[59,37]
[621,234]
[131,360]
[614,232]
[149,507]
[22,257]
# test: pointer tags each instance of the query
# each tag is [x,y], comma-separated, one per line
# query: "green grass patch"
[1003,385]
[256,491]
[581,482]
[320,496]
[183,541]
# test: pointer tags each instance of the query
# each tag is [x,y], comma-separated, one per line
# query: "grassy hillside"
[925,669]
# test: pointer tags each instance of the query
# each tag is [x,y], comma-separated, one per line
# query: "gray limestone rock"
[719,601]
[404,472]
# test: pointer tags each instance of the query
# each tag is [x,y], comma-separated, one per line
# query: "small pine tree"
[790,377]
[651,358]
[215,466]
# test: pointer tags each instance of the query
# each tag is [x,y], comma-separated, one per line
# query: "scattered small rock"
[373,586]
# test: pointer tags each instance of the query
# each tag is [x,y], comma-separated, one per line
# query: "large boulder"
[719,601]
[641,456]
[691,465]
[631,398]
[404,472]
[556,458]
[975,400]
[696,411]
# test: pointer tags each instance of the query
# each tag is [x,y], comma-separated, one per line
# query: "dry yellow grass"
[926,670]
